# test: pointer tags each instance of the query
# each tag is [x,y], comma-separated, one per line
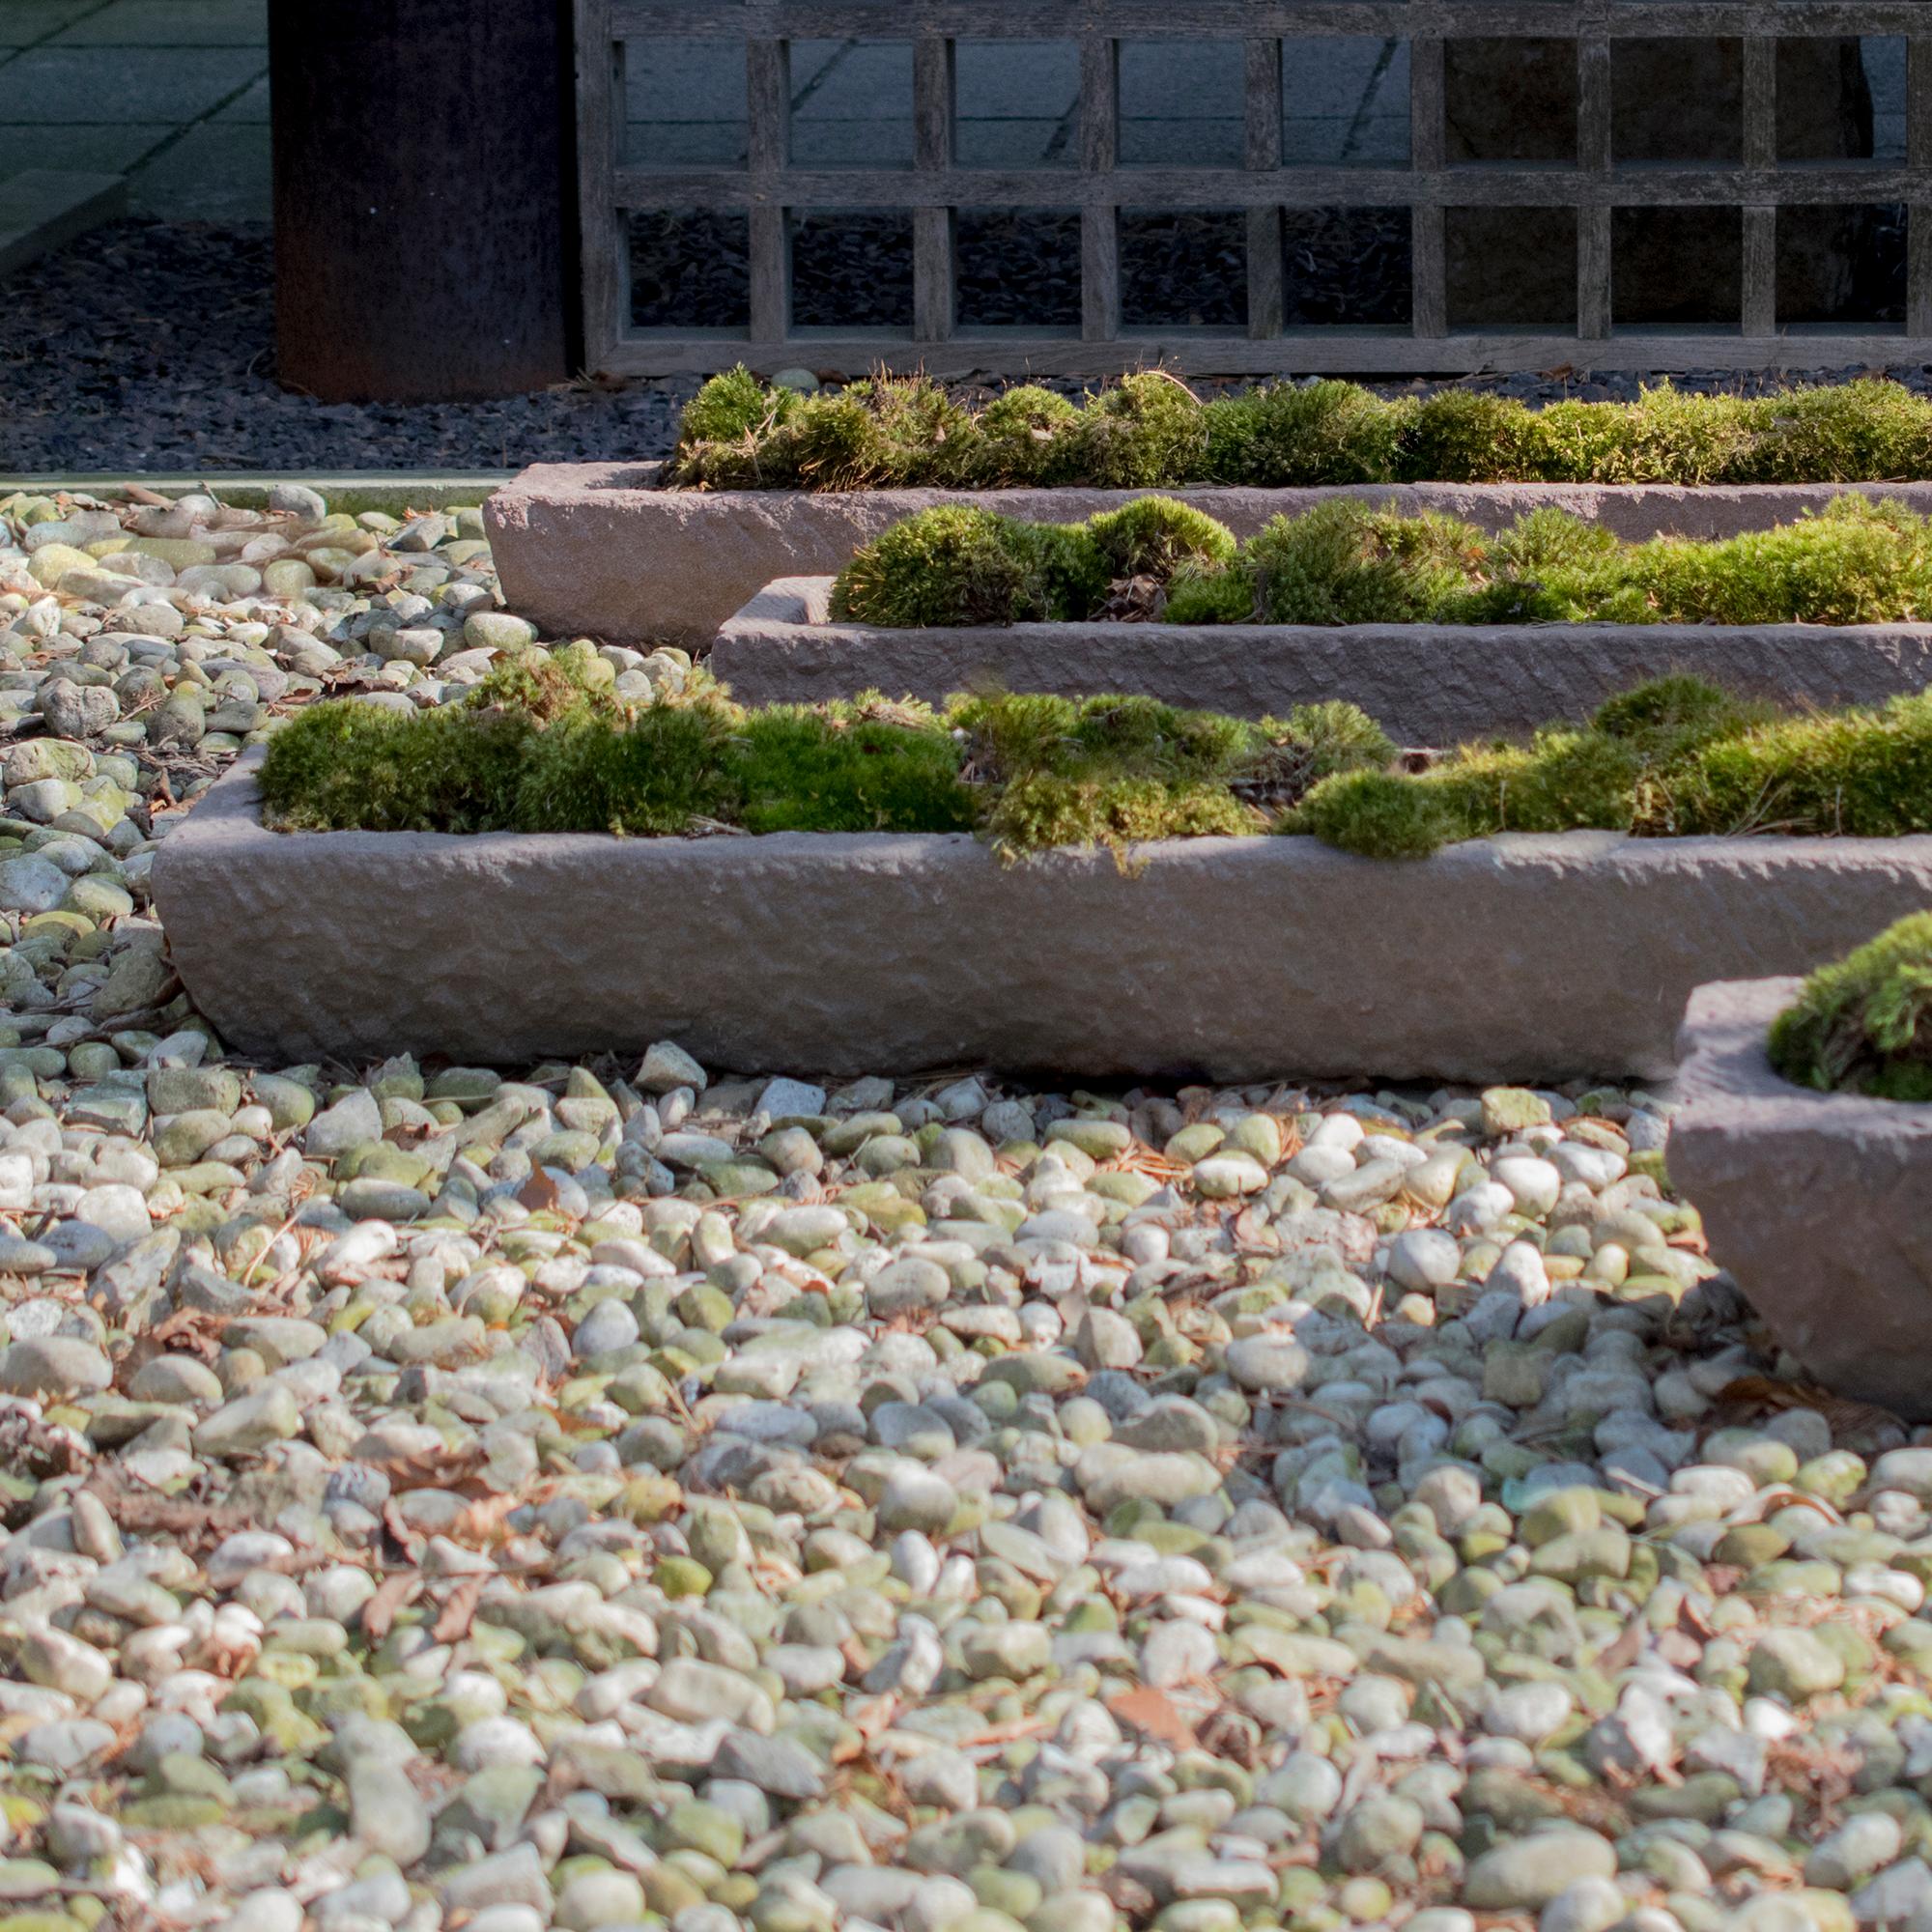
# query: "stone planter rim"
[1223,958]
[1426,684]
[603,549]
[1723,1047]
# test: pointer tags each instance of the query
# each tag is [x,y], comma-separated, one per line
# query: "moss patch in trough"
[550,751]
[1674,758]
[1348,562]
[1864,1025]
[1150,431]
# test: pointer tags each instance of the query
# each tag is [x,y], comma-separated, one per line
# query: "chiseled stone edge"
[1817,1203]
[597,549]
[1427,684]
[1232,958]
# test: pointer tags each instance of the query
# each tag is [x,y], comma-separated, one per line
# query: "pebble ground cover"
[620,1495]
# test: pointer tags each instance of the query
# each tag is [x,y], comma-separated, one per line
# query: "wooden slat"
[1476,185]
[1099,214]
[602,219]
[1202,352]
[1267,292]
[1594,266]
[1428,149]
[768,107]
[1760,272]
[1242,19]
[1918,156]
[934,249]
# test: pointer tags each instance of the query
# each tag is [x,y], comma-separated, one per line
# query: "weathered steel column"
[425,197]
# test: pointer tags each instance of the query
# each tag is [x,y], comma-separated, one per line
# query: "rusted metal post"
[425,197]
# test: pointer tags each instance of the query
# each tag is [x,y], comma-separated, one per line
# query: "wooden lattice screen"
[769,189]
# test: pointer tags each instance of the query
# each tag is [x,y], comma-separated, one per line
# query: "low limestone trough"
[600,549]
[1426,684]
[1519,956]
[1817,1203]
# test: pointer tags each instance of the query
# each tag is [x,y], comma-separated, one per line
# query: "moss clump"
[1315,433]
[800,770]
[952,564]
[1150,432]
[1864,1025]
[956,563]
[732,406]
[1106,771]
[1343,562]
[1018,432]
[1673,758]
[1153,536]
[1348,562]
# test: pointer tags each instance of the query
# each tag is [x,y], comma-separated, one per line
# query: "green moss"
[1211,594]
[356,766]
[1466,436]
[1315,433]
[1149,430]
[541,751]
[1154,535]
[1865,1024]
[733,406]
[1041,810]
[655,775]
[1017,433]
[1673,758]
[1343,562]
[952,564]
[1377,815]
[956,563]
[799,770]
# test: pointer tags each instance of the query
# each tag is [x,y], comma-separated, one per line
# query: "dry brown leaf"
[1153,1712]
[454,1619]
[430,1468]
[482,1522]
[539,1193]
[379,1613]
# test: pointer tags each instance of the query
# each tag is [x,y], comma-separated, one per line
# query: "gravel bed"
[624,1496]
[148,346]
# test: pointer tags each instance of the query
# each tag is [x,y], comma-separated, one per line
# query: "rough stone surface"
[1816,1202]
[856,952]
[599,548]
[1425,684]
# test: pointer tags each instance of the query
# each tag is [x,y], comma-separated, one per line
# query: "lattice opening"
[1841,266]
[684,104]
[1018,104]
[1017,268]
[1182,104]
[1512,267]
[1344,101]
[851,104]
[851,269]
[1681,266]
[1185,269]
[690,269]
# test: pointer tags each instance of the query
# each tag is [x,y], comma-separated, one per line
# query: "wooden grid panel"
[769,188]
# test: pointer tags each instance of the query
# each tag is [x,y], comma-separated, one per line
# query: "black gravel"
[149,346]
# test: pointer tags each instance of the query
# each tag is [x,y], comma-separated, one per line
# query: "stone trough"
[599,549]
[1532,957]
[1427,684]
[1817,1203]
